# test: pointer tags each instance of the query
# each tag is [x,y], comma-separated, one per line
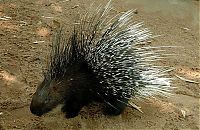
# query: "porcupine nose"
[36,106]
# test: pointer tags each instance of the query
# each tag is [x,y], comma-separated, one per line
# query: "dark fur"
[80,89]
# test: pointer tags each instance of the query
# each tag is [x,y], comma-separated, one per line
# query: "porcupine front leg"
[115,107]
[75,102]
[72,107]
[79,96]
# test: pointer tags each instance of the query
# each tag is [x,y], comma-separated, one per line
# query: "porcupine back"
[117,52]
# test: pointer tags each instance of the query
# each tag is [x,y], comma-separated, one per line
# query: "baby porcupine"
[106,60]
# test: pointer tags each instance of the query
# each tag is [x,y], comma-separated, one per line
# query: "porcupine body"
[106,60]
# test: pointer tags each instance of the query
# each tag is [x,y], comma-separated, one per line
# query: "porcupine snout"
[48,95]
[40,102]
[36,105]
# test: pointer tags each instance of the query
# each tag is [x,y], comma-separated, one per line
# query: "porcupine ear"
[117,51]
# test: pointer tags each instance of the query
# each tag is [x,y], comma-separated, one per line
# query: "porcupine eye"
[55,88]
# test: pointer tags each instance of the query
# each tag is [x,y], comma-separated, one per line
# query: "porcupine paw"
[115,108]
[70,112]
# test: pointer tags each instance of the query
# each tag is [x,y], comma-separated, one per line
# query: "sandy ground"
[26,28]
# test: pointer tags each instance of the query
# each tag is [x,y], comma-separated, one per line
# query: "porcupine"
[104,60]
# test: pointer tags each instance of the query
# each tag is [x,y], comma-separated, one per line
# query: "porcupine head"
[105,59]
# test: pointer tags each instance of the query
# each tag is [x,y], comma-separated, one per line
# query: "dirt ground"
[26,28]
